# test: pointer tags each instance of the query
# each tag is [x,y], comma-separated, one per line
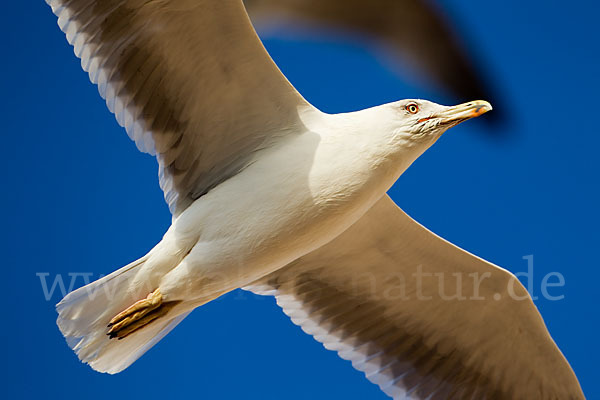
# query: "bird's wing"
[384,296]
[188,79]
[415,29]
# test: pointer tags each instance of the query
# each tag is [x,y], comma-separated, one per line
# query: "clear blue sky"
[78,197]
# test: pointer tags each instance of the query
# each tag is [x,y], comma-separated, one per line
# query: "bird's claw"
[140,314]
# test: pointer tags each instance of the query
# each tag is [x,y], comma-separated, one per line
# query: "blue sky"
[79,198]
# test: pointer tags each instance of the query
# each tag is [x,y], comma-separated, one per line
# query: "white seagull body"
[270,194]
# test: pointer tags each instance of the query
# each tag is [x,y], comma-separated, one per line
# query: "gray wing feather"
[188,79]
[427,338]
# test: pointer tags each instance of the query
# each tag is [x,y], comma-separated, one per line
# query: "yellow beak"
[462,112]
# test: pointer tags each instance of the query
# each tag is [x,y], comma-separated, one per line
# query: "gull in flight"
[272,195]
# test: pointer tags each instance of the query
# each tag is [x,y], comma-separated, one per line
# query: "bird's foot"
[140,314]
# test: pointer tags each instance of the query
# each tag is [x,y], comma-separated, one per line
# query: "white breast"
[296,197]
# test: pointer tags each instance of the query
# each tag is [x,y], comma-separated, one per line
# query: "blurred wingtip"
[419,31]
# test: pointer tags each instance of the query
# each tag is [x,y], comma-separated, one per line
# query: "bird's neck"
[369,141]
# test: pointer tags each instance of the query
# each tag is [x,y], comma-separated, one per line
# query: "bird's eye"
[412,108]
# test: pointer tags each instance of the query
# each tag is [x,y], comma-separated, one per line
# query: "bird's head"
[405,129]
[422,121]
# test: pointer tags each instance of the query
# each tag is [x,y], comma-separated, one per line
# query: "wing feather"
[189,80]
[385,296]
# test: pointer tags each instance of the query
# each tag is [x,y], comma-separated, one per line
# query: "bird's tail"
[84,314]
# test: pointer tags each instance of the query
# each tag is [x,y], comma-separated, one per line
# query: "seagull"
[269,194]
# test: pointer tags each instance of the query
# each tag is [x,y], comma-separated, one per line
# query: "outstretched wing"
[188,79]
[420,317]
[415,29]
